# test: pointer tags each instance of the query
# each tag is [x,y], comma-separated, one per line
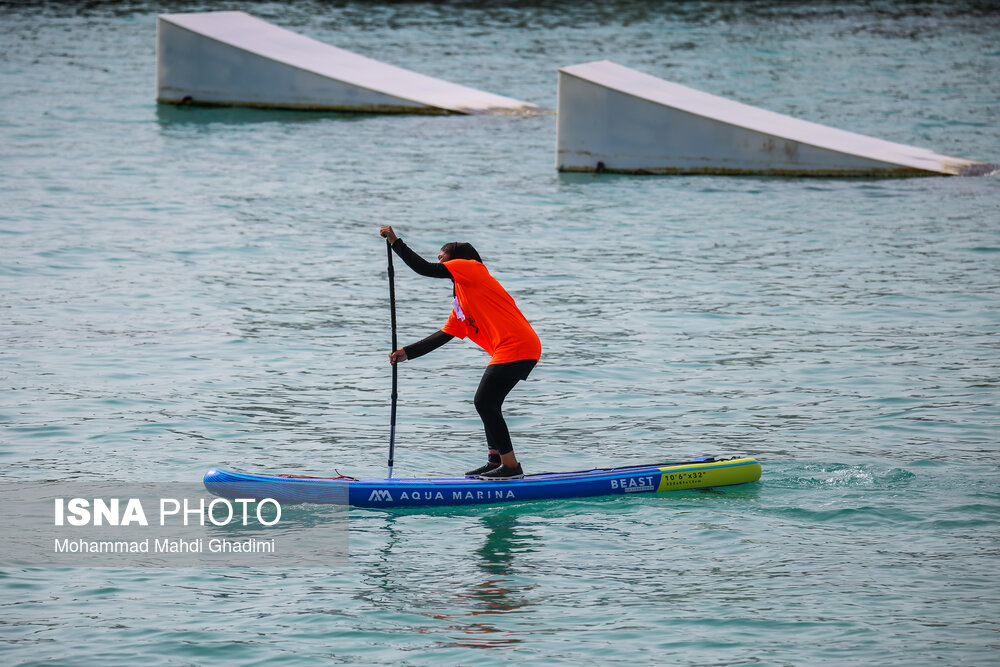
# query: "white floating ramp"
[235,59]
[616,119]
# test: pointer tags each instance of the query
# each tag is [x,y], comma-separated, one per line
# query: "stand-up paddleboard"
[435,492]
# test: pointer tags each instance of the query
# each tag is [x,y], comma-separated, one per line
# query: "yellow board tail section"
[701,475]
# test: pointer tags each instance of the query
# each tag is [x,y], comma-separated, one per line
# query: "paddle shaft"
[392,311]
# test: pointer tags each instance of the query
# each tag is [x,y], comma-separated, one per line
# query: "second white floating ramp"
[235,59]
[617,119]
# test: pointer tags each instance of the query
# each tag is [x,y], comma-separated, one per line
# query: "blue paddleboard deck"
[442,491]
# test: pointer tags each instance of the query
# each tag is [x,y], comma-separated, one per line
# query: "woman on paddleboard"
[485,313]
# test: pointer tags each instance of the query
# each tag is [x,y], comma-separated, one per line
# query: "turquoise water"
[184,288]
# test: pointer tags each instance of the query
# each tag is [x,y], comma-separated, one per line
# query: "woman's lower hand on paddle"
[397,356]
[387,232]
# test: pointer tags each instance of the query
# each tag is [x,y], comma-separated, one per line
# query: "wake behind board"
[435,492]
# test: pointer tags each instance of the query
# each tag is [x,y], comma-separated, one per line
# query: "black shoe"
[503,472]
[490,465]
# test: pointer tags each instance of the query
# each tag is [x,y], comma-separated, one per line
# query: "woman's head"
[458,250]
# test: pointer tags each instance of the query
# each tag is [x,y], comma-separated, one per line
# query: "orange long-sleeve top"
[487,315]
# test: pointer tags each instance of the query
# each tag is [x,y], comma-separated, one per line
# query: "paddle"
[392,311]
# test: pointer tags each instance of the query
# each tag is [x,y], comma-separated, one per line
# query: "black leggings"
[497,382]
